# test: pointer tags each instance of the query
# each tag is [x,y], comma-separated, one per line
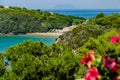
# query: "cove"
[7,41]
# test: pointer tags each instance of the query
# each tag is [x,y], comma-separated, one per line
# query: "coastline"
[45,34]
[54,34]
[57,32]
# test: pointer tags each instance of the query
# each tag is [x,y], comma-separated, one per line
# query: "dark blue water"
[87,13]
[7,41]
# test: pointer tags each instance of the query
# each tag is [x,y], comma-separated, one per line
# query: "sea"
[86,13]
[7,41]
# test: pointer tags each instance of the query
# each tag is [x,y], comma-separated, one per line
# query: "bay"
[7,41]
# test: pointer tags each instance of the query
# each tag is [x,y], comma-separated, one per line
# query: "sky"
[63,4]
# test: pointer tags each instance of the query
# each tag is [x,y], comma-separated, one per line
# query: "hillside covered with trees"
[21,20]
[92,28]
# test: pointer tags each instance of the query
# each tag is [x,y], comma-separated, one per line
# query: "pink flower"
[88,58]
[92,74]
[115,39]
[110,63]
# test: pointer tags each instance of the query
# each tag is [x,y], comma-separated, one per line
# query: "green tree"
[2,65]
[100,15]
[36,61]
[102,45]
[1,6]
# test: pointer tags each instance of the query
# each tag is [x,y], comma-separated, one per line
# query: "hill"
[21,20]
[90,28]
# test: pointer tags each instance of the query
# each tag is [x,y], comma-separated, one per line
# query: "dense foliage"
[89,44]
[2,65]
[36,61]
[21,20]
[103,57]
[101,45]
[90,28]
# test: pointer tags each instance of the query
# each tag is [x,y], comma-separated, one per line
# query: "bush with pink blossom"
[102,57]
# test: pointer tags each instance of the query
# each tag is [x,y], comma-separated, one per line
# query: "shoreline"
[44,34]
[57,32]
[35,34]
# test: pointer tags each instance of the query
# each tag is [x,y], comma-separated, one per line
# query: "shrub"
[103,57]
[36,61]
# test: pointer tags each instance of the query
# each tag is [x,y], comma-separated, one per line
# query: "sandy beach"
[57,32]
[44,34]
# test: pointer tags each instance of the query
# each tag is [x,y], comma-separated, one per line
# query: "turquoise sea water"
[86,13]
[7,41]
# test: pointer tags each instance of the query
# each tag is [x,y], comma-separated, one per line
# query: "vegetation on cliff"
[92,28]
[21,20]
